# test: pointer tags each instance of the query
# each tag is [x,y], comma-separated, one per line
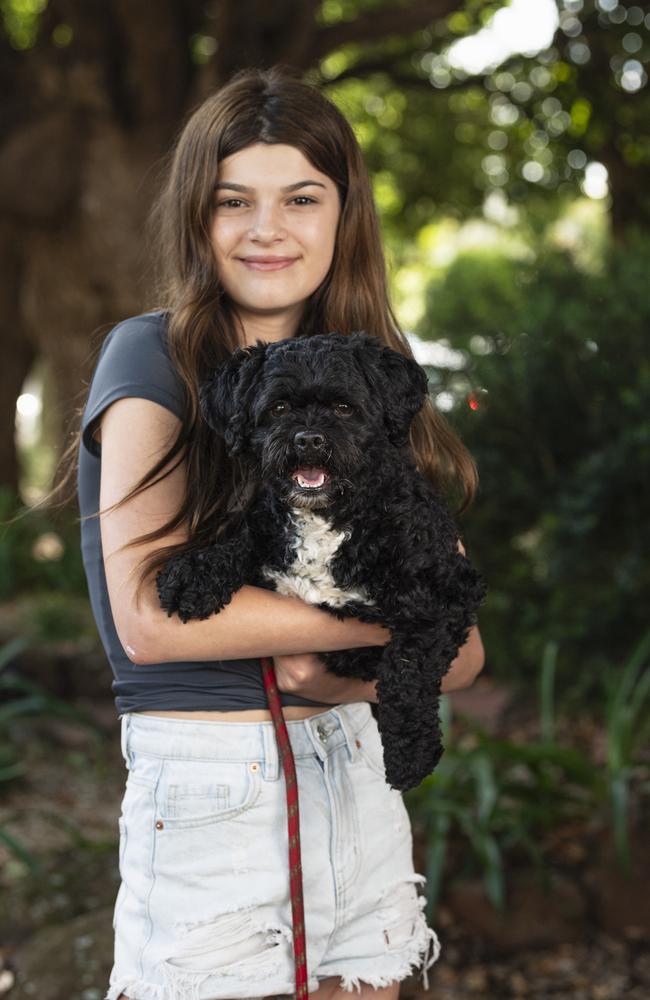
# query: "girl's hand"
[305,674]
[294,669]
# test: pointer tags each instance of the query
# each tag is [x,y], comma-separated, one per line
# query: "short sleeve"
[133,361]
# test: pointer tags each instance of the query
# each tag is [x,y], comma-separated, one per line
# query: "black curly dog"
[339,516]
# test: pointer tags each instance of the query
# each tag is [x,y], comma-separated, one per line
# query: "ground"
[55,925]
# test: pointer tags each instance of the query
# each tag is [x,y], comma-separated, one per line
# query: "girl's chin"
[273,300]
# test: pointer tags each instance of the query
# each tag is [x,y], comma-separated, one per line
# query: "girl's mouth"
[257,265]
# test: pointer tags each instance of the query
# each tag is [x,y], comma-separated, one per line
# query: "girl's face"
[270,202]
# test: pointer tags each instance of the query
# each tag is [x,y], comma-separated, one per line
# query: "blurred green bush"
[553,405]
[22,700]
[495,796]
[37,552]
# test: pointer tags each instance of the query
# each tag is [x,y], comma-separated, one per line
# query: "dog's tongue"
[311,475]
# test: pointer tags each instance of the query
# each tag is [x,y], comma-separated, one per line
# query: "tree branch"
[394,19]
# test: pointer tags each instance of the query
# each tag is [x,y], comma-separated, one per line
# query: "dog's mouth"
[311,478]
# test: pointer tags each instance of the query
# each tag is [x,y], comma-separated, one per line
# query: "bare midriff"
[246,715]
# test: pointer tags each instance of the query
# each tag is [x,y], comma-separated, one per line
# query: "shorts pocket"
[190,800]
[195,793]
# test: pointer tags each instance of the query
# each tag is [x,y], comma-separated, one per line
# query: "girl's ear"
[225,396]
[399,382]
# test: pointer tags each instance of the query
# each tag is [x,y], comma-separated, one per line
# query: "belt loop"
[271,765]
[124,739]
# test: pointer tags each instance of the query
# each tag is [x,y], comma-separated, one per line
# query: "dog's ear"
[224,397]
[407,387]
[400,382]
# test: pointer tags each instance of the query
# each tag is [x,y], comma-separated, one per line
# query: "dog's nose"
[308,440]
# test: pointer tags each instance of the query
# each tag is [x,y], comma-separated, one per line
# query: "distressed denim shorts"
[203,911]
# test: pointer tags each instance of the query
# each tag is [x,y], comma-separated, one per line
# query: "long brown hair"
[270,106]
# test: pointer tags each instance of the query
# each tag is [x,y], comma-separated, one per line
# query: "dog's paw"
[187,587]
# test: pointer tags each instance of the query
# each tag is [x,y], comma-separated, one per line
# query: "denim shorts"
[203,911]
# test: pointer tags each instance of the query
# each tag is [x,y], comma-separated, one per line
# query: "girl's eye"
[347,409]
[277,409]
[300,197]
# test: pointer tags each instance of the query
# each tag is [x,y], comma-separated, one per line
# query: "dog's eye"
[345,408]
[277,409]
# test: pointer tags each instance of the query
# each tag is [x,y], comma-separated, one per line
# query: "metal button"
[323,733]
[160,825]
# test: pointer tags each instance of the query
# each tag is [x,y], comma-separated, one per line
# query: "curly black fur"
[376,542]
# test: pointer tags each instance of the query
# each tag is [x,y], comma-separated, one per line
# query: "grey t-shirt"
[134,361]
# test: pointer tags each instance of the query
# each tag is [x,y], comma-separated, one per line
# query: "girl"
[266,229]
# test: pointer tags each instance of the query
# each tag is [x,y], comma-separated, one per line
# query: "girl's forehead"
[268,164]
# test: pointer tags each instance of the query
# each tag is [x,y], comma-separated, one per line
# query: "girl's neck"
[270,328]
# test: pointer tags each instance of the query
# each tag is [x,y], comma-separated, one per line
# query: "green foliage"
[495,795]
[628,730]
[48,616]
[585,98]
[409,132]
[335,11]
[20,21]
[36,553]
[21,698]
[530,127]
[557,364]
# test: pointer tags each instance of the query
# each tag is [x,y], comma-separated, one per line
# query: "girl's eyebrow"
[248,190]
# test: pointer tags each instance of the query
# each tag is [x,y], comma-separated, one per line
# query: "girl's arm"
[467,665]
[255,622]
[470,660]
[135,433]
[308,676]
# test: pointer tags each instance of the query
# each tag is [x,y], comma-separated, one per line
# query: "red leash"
[295,867]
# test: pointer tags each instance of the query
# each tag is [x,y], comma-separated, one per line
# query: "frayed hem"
[135,989]
[415,957]
[405,966]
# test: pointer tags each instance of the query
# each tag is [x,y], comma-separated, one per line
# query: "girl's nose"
[266,223]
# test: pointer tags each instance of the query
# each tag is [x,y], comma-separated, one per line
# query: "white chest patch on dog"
[309,576]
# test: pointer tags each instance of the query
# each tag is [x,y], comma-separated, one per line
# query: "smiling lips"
[267,263]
